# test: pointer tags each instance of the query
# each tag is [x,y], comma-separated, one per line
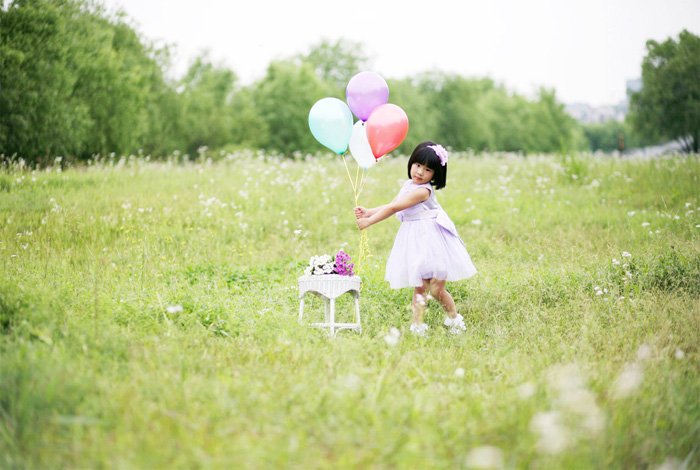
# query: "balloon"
[359,146]
[330,121]
[366,91]
[387,126]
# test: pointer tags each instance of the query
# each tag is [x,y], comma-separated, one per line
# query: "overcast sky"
[585,49]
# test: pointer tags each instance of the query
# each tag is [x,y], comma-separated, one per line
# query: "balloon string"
[357,186]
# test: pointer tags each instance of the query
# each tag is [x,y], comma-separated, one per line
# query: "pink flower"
[342,264]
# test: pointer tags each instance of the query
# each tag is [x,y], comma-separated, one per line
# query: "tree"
[669,102]
[283,99]
[336,63]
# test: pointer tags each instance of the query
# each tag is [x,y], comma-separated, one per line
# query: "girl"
[427,251]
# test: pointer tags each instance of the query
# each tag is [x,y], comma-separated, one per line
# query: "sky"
[585,49]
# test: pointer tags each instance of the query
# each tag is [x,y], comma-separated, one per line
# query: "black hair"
[427,156]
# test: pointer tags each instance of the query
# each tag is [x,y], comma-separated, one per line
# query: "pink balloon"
[365,92]
[387,127]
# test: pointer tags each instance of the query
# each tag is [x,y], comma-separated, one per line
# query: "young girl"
[427,250]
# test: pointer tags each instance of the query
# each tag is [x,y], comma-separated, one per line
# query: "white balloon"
[359,146]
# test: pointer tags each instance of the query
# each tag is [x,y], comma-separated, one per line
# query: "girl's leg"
[419,294]
[437,290]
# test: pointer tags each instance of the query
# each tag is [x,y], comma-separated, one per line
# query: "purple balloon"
[365,92]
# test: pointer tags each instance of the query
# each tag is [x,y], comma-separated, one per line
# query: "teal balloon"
[330,121]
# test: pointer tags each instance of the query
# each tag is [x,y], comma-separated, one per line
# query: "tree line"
[77,80]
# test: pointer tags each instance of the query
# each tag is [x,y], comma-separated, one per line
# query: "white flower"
[644,352]
[392,339]
[485,457]
[476,222]
[646,224]
[615,262]
[679,354]
[628,381]
[554,437]
[420,300]
[626,254]
[174,309]
[459,372]
[526,390]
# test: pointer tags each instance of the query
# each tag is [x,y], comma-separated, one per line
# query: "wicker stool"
[329,287]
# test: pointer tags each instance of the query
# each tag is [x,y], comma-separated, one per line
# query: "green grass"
[148,318]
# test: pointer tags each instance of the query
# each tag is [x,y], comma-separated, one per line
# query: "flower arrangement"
[327,264]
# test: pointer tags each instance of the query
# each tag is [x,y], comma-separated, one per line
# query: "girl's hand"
[360,212]
[362,223]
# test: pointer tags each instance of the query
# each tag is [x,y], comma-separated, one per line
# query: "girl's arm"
[361,212]
[383,212]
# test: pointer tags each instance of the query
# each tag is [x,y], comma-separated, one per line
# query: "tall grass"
[148,318]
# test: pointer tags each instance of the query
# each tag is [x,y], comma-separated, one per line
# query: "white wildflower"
[174,309]
[392,339]
[644,352]
[553,435]
[628,381]
[485,457]
[679,354]
[525,390]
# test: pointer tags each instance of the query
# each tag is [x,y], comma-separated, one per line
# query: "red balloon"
[387,127]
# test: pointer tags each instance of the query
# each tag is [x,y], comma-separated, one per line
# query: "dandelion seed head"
[525,390]
[679,354]
[644,352]
[553,436]
[485,457]
[628,381]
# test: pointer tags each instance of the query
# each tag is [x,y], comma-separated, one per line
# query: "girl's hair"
[427,156]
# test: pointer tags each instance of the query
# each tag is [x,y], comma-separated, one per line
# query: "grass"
[148,318]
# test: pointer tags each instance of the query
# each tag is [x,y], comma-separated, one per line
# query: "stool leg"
[332,317]
[357,309]
[301,308]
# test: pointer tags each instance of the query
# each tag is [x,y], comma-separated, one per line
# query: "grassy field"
[148,318]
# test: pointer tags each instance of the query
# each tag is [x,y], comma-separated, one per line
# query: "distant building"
[588,114]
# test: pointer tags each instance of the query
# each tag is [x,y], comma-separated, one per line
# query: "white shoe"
[419,329]
[456,324]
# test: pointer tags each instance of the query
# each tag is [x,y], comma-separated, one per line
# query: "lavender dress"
[427,245]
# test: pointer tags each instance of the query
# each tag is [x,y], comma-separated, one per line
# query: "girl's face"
[421,174]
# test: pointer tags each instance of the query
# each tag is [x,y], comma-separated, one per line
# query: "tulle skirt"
[423,249]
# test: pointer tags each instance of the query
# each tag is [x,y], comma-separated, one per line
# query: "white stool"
[329,287]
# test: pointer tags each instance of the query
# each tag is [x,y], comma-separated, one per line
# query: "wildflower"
[485,457]
[679,354]
[554,437]
[420,300]
[615,262]
[628,381]
[459,372]
[476,222]
[526,390]
[626,254]
[174,309]
[646,224]
[392,339]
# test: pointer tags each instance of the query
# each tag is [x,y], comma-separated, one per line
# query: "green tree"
[39,114]
[283,99]
[336,63]
[207,92]
[669,102]
[76,82]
